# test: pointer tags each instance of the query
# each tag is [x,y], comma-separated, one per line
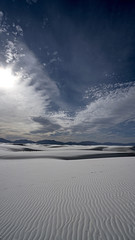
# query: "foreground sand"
[53,199]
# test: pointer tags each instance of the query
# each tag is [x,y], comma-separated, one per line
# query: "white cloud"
[18,107]
[34,92]
[18,54]
[32,95]
[62,118]
[110,109]
[11,52]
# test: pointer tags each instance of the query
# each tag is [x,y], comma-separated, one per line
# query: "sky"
[67,70]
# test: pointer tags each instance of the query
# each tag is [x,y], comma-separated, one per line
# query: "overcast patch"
[46,126]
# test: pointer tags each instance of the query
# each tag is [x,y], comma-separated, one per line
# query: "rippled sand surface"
[53,199]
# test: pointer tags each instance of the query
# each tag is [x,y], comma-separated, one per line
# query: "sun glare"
[7,79]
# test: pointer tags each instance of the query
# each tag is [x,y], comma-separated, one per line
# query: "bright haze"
[67,70]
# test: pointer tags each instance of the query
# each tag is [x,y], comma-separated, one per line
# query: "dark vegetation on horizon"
[84,143]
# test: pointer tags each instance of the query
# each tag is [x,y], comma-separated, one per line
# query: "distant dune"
[28,151]
[43,197]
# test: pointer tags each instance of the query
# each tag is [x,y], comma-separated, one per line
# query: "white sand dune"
[28,151]
[51,199]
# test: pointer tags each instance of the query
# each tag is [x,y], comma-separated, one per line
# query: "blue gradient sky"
[75,62]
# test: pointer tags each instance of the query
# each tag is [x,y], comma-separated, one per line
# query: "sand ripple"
[79,200]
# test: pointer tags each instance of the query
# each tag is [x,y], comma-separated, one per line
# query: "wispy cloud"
[107,111]
[112,108]
[115,106]
[33,94]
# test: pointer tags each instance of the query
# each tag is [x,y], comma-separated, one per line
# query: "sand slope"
[51,199]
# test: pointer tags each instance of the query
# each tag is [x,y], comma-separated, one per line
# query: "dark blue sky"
[74,65]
